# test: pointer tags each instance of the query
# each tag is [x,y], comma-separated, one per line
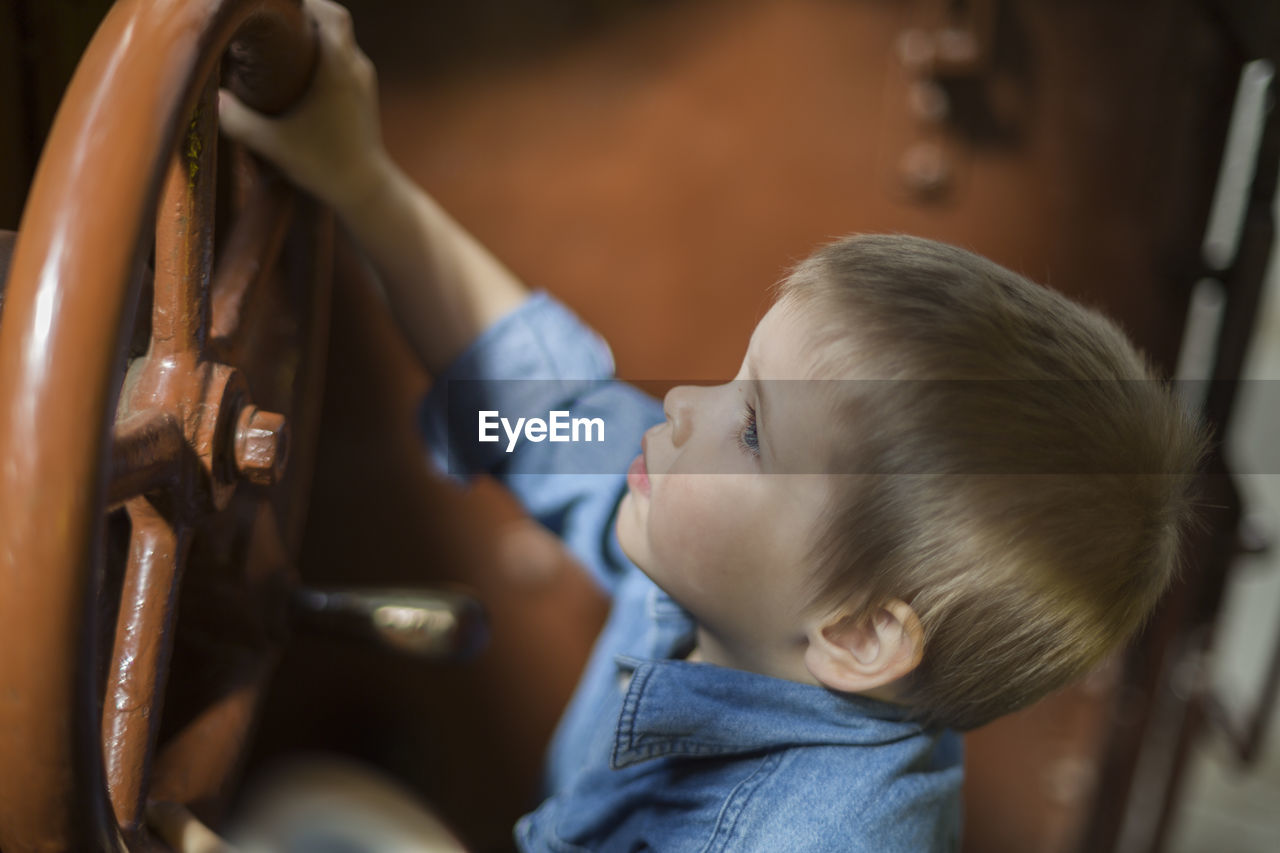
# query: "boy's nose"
[678,407]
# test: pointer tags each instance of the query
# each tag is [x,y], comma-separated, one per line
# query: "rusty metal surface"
[145,88]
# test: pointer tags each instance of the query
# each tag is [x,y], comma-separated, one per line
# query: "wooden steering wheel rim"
[73,285]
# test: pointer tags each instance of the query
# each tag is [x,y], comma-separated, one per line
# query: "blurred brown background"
[658,164]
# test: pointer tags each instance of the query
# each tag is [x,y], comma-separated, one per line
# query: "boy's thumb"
[244,124]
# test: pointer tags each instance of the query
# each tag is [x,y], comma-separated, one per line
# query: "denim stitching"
[736,803]
[627,719]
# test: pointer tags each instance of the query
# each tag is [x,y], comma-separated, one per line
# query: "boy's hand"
[330,142]
[443,286]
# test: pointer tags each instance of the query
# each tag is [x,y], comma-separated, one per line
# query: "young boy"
[933,493]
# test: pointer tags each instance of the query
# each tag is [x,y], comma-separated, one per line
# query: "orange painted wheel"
[161,341]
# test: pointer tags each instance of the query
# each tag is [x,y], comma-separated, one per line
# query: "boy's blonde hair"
[1022,479]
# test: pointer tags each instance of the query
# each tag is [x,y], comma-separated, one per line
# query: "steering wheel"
[162,341]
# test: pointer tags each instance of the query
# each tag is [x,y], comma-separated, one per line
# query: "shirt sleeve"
[541,362]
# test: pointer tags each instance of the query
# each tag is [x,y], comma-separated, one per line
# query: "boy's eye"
[746,433]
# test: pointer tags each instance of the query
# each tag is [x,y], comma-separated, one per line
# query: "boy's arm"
[443,286]
[445,290]
[538,360]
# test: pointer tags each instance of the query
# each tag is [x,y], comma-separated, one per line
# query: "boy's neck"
[707,651]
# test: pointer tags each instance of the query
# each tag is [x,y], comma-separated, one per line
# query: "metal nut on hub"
[261,446]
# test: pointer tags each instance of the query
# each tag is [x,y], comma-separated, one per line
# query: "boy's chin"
[630,538]
[624,528]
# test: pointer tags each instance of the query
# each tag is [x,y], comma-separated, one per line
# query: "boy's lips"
[638,474]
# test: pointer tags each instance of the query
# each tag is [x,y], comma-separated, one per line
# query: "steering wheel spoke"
[248,260]
[140,660]
[184,234]
[145,454]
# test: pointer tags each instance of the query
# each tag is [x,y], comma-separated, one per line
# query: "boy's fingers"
[334,20]
[232,115]
[245,125]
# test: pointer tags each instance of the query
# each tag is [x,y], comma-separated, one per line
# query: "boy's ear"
[856,655]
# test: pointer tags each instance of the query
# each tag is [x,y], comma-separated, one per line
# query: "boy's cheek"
[700,529]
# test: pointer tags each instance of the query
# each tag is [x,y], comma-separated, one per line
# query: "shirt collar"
[675,707]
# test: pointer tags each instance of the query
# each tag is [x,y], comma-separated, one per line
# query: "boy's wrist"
[366,183]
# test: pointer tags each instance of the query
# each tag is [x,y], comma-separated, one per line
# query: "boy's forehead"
[787,344]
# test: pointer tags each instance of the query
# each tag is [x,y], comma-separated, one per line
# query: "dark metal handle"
[435,624]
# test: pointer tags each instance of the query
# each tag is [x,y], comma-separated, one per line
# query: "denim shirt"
[653,752]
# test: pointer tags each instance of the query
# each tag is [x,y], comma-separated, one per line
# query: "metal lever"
[434,624]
